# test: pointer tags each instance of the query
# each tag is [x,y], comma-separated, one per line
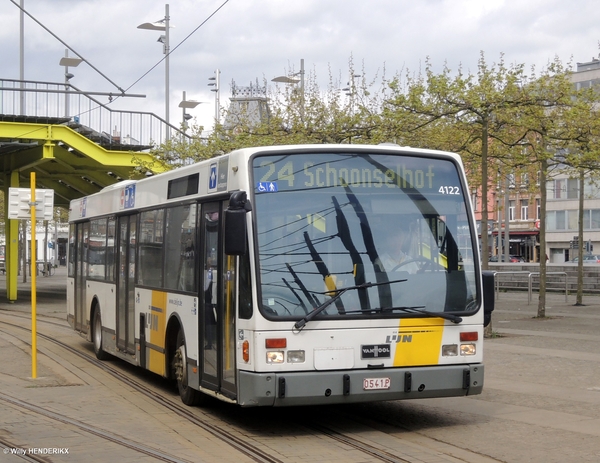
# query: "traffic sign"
[19,203]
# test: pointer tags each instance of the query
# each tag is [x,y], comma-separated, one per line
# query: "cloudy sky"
[250,39]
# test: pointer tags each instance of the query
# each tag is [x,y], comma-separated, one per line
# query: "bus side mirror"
[488,296]
[235,224]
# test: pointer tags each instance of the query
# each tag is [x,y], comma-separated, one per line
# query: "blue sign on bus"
[267,187]
[212,179]
[129,201]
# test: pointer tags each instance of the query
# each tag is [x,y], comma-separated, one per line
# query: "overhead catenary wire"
[66,45]
[179,44]
[100,72]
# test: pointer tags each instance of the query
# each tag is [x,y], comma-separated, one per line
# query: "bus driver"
[395,256]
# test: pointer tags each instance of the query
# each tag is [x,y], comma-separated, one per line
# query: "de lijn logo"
[376,351]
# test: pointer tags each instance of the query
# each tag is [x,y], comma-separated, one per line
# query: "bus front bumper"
[352,386]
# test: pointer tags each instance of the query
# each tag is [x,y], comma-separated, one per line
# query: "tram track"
[238,443]
[105,435]
[365,448]
[32,458]
[202,419]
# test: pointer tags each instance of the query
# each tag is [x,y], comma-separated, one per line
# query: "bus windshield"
[326,222]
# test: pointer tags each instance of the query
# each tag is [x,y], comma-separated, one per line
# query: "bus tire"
[189,396]
[97,336]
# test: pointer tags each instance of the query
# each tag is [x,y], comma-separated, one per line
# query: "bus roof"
[228,172]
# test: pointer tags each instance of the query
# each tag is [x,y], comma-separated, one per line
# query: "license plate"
[372,384]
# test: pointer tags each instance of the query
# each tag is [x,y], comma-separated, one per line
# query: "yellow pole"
[33,275]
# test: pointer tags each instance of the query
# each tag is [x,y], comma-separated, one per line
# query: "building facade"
[562,218]
[515,198]
[518,202]
[562,208]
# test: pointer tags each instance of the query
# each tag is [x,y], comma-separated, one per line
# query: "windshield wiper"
[416,309]
[447,316]
[338,293]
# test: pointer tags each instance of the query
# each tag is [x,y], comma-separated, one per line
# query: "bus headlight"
[468,349]
[275,356]
[450,350]
[295,356]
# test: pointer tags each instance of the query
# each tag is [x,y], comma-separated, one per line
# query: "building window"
[595,213]
[573,219]
[550,221]
[560,220]
[591,190]
[511,210]
[564,188]
[511,181]
[537,208]
[572,188]
[555,220]
[560,189]
[524,209]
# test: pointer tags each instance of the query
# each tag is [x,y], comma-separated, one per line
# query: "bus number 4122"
[449,190]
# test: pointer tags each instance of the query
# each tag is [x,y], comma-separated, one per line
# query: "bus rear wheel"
[97,336]
[189,396]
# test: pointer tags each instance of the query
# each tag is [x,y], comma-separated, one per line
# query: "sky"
[261,39]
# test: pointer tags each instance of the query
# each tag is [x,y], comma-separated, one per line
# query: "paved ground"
[541,399]
[51,294]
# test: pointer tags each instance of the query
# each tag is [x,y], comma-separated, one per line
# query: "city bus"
[258,277]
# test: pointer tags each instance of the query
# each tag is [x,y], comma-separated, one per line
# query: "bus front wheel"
[188,395]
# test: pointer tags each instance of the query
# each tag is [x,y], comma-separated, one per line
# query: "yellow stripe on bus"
[419,341]
[158,314]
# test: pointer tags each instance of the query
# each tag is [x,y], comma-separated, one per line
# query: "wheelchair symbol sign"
[267,187]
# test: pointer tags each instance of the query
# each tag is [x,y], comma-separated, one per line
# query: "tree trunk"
[484,194]
[506,219]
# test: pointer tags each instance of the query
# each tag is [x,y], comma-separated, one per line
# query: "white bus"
[260,277]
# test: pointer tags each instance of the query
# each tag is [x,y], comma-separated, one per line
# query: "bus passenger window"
[181,245]
[151,248]
[97,249]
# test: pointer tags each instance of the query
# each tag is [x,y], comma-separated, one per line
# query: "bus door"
[217,320]
[83,235]
[126,283]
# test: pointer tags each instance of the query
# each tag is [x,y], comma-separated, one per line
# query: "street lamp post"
[66,62]
[351,90]
[187,104]
[294,80]
[22,56]
[163,25]
[216,83]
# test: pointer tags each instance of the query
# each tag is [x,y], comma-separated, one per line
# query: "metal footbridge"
[75,144]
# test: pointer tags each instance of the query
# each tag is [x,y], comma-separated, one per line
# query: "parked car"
[511,259]
[588,259]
